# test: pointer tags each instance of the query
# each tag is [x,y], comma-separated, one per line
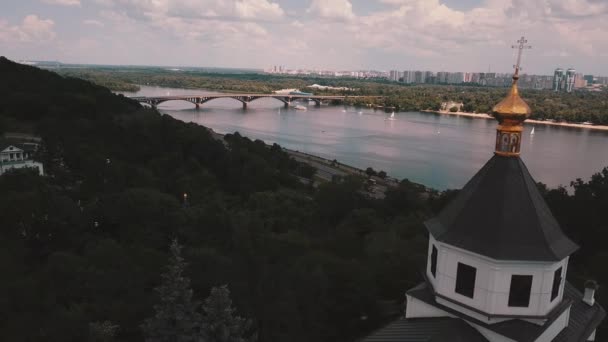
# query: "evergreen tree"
[102,331]
[221,323]
[176,318]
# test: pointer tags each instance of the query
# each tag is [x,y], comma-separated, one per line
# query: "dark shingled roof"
[427,330]
[27,147]
[584,319]
[501,214]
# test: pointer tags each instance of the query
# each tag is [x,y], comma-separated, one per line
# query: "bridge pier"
[287,104]
[198,106]
[244,105]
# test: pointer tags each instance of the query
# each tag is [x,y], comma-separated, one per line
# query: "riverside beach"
[528,122]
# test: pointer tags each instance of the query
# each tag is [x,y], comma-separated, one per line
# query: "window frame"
[434,256]
[556,286]
[523,286]
[466,277]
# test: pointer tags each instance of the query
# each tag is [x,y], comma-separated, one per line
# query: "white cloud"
[258,9]
[63,2]
[420,34]
[31,30]
[332,9]
[93,22]
[578,8]
[228,9]
[423,28]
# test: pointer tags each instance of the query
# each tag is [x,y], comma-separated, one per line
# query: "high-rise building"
[497,259]
[558,79]
[419,77]
[442,77]
[456,78]
[394,75]
[589,78]
[468,77]
[570,79]
[541,82]
[580,81]
[409,76]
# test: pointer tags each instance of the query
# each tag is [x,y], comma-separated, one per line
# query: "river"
[439,151]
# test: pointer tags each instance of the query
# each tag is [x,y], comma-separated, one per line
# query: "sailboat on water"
[532,132]
[392,117]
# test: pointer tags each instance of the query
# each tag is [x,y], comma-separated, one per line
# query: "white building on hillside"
[18,156]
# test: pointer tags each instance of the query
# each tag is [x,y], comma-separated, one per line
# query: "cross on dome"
[511,112]
[521,47]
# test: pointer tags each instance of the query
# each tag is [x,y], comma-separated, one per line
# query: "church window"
[465,280]
[434,261]
[519,294]
[557,281]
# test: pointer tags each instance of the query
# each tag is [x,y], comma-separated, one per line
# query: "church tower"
[497,258]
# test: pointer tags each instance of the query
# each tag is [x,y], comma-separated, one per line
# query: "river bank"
[328,169]
[529,121]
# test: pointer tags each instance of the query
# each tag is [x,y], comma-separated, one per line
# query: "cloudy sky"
[450,35]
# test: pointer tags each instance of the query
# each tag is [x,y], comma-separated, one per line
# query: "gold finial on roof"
[511,112]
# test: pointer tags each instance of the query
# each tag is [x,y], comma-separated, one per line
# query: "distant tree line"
[579,106]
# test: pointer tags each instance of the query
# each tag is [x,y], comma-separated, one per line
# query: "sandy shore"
[529,121]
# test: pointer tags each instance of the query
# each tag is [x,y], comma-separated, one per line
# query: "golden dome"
[512,106]
[511,113]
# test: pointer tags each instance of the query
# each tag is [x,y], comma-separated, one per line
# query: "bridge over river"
[245,99]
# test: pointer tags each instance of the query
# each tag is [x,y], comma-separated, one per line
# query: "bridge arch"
[279,98]
[211,98]
[159,101]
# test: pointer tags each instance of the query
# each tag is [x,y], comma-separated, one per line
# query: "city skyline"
[450,35]
[571,80]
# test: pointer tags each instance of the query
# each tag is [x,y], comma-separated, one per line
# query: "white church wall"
[493,281]
[470,313]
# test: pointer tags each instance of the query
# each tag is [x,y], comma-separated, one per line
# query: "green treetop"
[176,318]
[221,322]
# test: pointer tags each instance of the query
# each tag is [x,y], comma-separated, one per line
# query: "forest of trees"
[89,252]
[579,106]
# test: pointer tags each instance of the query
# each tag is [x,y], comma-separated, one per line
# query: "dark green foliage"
[176,317]
[583,216]
[220,321]
[370,172]
[102,331]
[85,245]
